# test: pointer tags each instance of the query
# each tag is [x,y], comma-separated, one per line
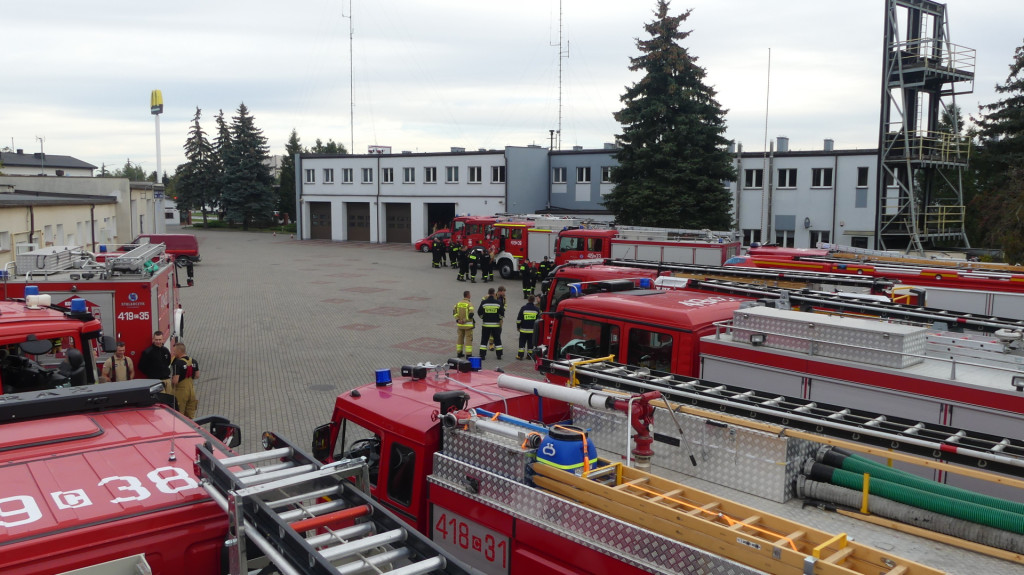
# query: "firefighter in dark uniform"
[491,312]
[453,254]
[436,251]
[487,266]
[474,262]
[526,272]
[463,259]
[543,268]
[525,324]
[442,254]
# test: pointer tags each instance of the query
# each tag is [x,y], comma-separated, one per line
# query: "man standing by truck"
[525,324]
[155,361]
[118,367]
[491,312]
[184,372]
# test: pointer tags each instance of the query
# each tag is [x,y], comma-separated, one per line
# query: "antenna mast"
[562,54]
[351,82]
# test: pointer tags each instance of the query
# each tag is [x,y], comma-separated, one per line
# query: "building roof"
[21,159]
[23,198]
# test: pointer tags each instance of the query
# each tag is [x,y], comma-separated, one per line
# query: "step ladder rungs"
[748,522]
[697,512]
[791,538]
[627,484]
[839,556]
[312,511]
[326,492]
[666,495]
[342,535]
[364,544]
[370,563]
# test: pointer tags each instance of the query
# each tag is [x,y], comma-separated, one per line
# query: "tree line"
[231,174]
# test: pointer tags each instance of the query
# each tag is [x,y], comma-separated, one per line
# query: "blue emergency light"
[383,377]
[645,283]
[31,290]
[78,305]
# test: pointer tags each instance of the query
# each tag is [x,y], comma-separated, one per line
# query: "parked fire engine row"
[515,238]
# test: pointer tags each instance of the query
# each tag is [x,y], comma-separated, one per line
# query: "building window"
[328,175]
[582,174]
[497,174]
[430,175]
[819,236]
[5,241]
[862,177]
[859,242]
[751,236]
[310,176]
[606,174]
[784,238]
[860,198]
[820,178]
[367,175]
[753,179]
[408,175]
[787,178]
[558,175]
[451,174]
[346,175]
[476,174]
[387,175]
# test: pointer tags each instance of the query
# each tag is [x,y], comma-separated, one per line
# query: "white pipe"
[566,394]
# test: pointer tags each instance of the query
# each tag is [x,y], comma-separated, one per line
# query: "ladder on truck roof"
[766,276]
[849,303]
[732,530]
[978,450]
[135,260]
[310,518]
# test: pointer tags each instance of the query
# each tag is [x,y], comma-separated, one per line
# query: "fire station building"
[792,198]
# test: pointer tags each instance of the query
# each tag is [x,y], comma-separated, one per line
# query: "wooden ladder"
[720,526]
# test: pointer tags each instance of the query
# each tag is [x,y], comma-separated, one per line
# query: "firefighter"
[454,249]
[463,258]
[525,324]
[529,278]
[487,266]
[474,262]
[442,254]
[436,251]
[491,313]
[543,268]
[464,323]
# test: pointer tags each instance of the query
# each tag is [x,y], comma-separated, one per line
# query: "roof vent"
[783,145]
[830,144]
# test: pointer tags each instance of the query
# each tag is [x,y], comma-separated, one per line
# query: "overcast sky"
[432,75]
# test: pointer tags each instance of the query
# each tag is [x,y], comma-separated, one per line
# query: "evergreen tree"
[133,172]
[999,165]
[286,188]
[673,163]
[196,182]
[331,147]
[220,146]
[248,184]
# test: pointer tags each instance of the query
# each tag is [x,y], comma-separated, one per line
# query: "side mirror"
[322,442]
[108,344]
[226,432]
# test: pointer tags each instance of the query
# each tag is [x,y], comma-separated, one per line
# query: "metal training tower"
[922,155]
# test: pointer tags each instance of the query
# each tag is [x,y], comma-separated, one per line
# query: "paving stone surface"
[282,326]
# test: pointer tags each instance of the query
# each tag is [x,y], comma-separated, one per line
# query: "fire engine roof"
[406,405]
[682,310]
[87,469]
[44,321]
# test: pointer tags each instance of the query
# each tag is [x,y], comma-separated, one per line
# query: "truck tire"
[505,269]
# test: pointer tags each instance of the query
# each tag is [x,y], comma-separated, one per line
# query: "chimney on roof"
[577,148]
[830,145]
[783,145]
[21,152]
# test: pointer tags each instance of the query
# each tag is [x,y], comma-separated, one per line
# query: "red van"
[182,246]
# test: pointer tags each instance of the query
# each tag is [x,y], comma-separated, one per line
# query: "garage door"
[320,220]
[358,221]
[399,224]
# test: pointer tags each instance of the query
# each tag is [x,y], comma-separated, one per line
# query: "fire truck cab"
[99,473]
[44,347]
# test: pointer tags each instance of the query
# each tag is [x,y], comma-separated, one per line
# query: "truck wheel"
[424,248]
[505,269]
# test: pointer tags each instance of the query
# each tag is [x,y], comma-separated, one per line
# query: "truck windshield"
[579,337]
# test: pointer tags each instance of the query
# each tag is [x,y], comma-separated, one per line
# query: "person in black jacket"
[525,323]
[491,312]
[527,273]
[155,361]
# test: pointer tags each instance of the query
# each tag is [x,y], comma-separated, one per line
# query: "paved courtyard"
[281,327]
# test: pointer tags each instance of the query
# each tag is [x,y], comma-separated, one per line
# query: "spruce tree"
[286,188]
[673,160]
[999,165]
[197,180]
[220,147]
[248,192]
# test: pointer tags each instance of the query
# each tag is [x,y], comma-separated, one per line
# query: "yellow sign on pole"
[156,102]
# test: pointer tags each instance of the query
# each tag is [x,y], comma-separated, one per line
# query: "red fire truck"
[132,293]
[649,244]
[521,477]
[43,346]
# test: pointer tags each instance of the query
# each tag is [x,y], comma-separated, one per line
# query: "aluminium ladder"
[309,518]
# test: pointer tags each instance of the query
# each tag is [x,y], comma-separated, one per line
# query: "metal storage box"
[864,341]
